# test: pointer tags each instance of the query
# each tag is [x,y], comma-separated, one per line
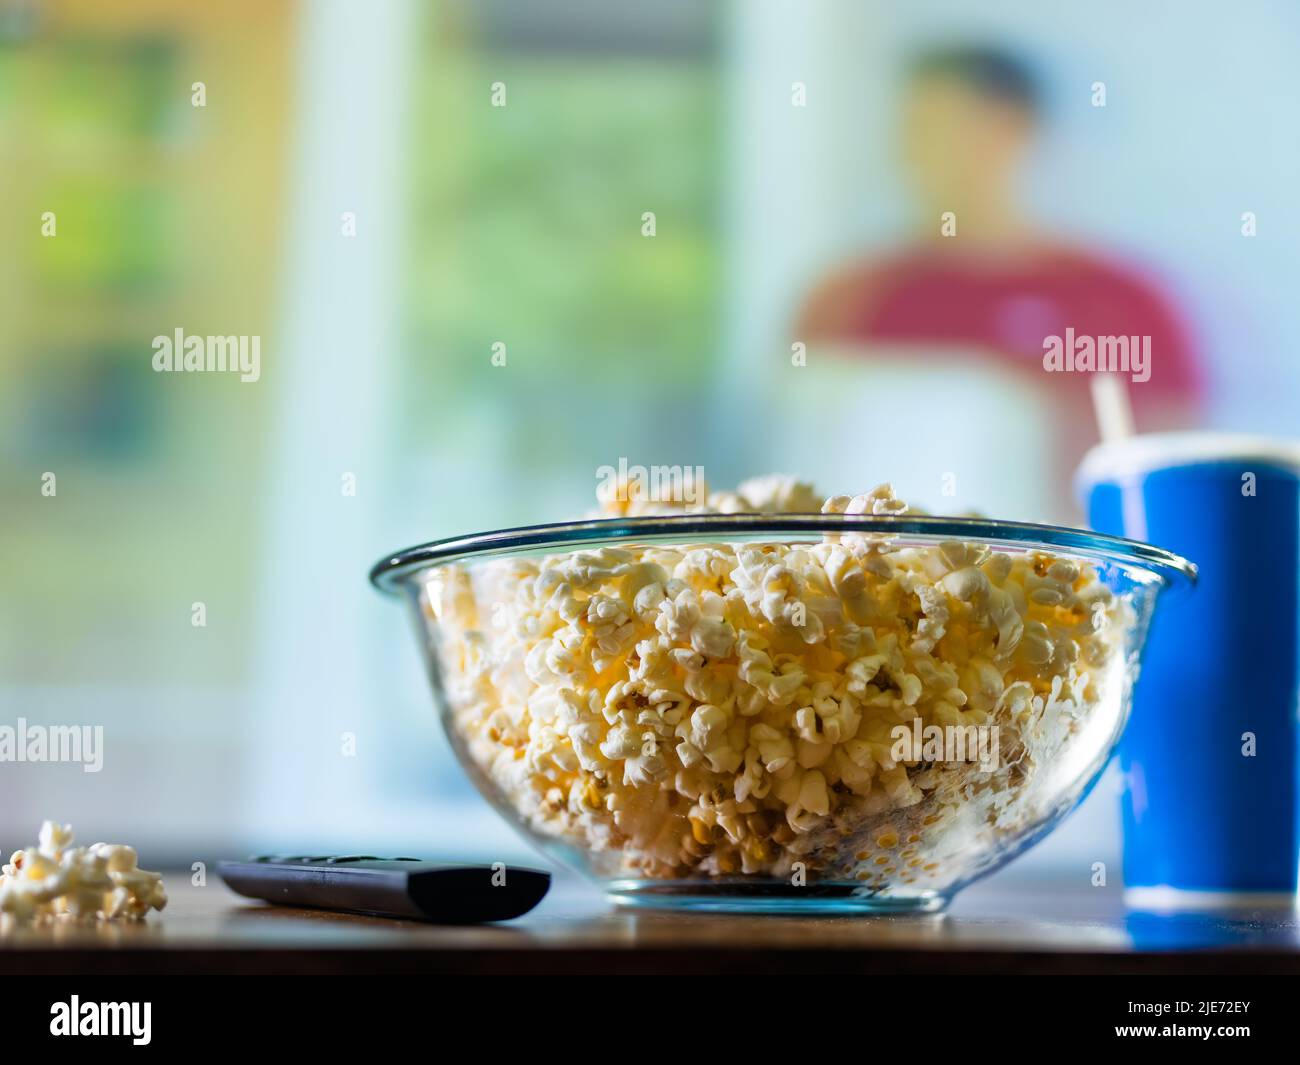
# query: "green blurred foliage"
[528,221]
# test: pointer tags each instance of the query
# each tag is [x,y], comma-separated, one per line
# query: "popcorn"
[712,709]
[54,878]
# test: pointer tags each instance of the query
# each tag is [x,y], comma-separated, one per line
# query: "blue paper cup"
[1211,751]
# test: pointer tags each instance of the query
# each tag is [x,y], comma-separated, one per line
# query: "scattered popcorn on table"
[713,709]
[55,878]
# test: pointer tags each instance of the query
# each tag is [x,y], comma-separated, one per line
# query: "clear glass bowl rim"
[392,571]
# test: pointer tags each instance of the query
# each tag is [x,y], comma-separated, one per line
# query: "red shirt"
[1008,306]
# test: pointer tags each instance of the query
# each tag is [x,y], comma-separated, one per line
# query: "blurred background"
[690,233]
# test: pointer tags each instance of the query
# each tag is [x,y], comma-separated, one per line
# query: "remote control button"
[340,859]
[287,859]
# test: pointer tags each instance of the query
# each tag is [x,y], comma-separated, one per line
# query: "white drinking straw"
[1111,405]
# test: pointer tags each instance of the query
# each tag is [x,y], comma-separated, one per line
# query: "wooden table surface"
[1001,926]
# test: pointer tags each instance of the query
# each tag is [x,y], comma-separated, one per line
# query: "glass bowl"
[791,713]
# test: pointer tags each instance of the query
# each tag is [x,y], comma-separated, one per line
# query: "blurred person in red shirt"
[998,285]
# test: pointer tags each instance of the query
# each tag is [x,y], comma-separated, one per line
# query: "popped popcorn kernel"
[56,879]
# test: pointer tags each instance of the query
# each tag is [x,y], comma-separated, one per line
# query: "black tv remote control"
[390,887]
